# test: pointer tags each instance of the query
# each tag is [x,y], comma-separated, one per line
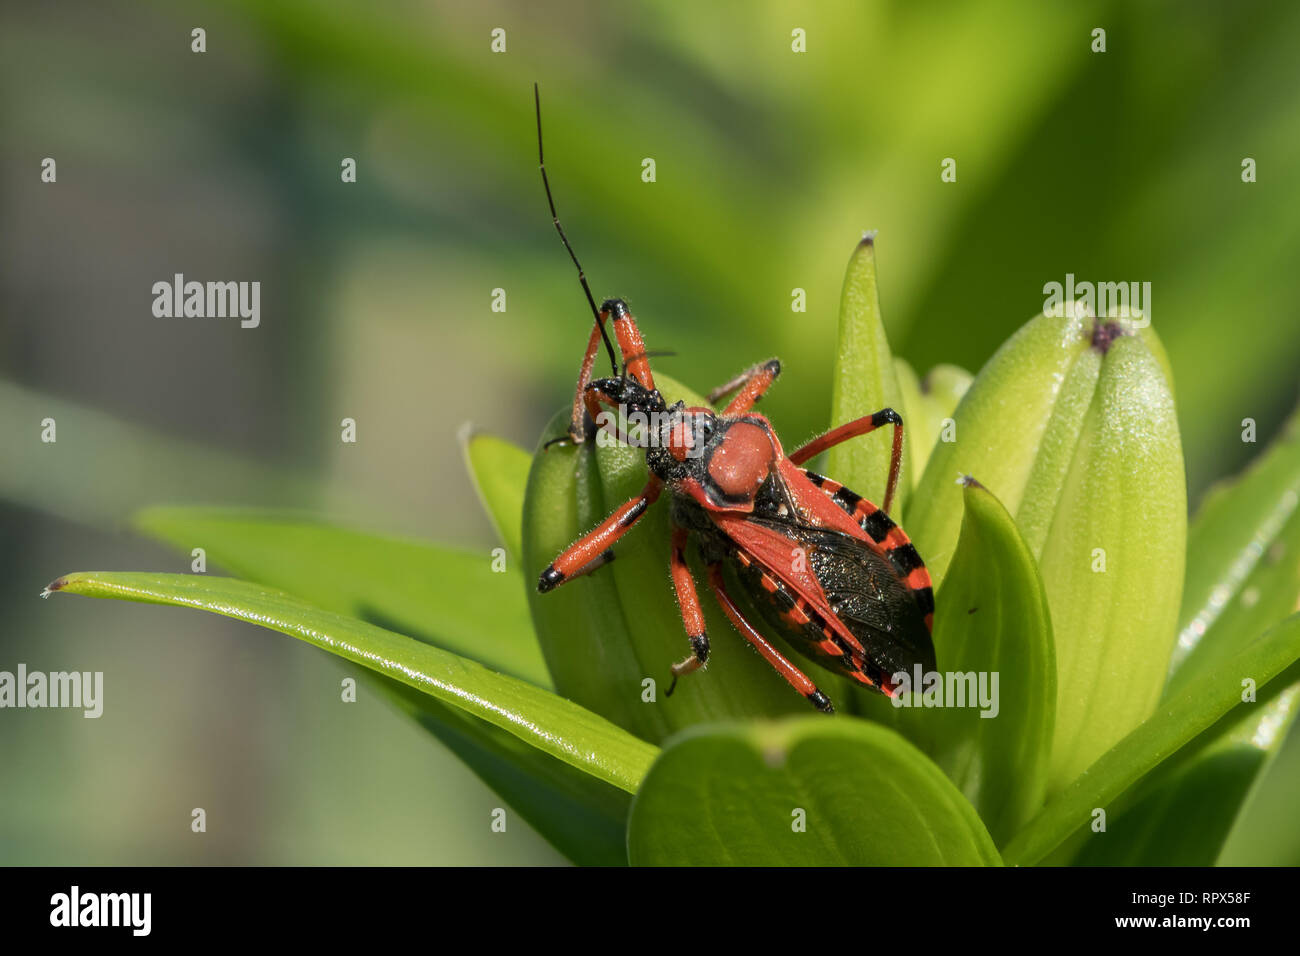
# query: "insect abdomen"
[802,625]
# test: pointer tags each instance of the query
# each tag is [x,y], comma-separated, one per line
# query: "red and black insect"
[827,569]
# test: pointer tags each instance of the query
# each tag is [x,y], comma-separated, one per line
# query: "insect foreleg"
[692,615]
[575,559]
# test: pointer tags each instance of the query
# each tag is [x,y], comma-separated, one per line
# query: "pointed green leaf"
[500,473]
[1176,721]
[1071,424]
[420,589]
[415,588]
[1243,560]
[991,624]
[1000,425]
[1113,560]
[807,791]
[450,597]
[865,382]
[992,618]
[537,717]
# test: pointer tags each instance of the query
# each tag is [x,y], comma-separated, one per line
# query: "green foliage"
[561,765]
[865,381]
[1113,559]
[804,792]
[1068,444]
[500,469]
[549,723]
[995,621]
[1201,789]
[1072,426]
[1174,724]
[1243,568]
[448,597]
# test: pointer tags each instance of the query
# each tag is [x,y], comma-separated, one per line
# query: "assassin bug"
[827,569]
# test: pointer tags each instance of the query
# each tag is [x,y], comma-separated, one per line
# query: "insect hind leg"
[793,676]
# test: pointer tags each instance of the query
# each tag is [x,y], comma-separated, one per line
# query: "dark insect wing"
[862,604]
[865,592]
[861,590]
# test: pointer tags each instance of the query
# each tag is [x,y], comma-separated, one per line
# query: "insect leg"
[861,426]
[751,384]
[595,564]
[636,362]
[577,558]
[692,616]
[795,677]
[576,428]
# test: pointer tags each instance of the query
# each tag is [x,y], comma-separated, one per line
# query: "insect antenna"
[582,276]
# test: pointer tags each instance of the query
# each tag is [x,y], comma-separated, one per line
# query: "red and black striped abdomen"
[866,588]
[809,632]
[894,543]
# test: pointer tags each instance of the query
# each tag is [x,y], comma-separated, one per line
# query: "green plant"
[1142,666]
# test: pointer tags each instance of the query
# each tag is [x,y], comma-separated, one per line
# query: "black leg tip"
[549,580]
[821,702]
[616,307]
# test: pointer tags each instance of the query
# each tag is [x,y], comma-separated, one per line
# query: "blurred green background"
[225,165]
